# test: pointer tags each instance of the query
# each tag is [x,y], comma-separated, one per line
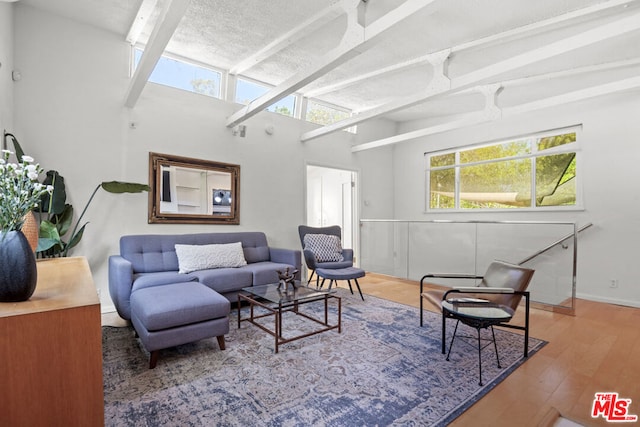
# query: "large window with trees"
[531,172]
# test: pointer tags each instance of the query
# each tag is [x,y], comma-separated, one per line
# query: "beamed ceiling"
[450,62]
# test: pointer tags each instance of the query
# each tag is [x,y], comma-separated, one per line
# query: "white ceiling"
[554,47]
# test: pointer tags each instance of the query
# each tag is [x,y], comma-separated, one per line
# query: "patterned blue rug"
[383,369]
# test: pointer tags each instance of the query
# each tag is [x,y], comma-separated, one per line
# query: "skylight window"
[184,75]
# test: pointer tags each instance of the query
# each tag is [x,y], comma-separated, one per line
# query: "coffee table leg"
[326,310]
[480,357]
[339,315]
[444,330]
[278,333]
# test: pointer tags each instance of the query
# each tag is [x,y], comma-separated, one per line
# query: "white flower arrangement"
[20,191]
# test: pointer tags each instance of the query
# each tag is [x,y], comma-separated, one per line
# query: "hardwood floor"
[597,350]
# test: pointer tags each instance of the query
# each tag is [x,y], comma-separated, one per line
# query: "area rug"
[383,369]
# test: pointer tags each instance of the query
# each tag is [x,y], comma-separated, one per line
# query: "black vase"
[18,273]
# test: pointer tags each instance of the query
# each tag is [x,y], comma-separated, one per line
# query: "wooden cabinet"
[51,350]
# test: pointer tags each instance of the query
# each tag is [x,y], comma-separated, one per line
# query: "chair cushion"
[341,274]
[325,247]
[334,265]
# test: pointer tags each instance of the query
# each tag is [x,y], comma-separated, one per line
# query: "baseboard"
[106,309]
[615,301]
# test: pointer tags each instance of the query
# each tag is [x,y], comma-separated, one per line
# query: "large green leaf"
[58,199]
[124,187]
[49,230]
[75,239]
[46,244]
[64,221]
[49,236]
[16,146]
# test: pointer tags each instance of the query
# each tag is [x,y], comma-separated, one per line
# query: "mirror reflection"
[192,190]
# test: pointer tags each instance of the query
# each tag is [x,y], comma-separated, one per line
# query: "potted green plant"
[56,215]
[20,193]
[59,215]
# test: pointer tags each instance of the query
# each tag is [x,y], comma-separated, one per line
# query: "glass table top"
[272,293]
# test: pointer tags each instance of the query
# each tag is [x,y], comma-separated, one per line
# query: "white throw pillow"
[201,257]
[325,247]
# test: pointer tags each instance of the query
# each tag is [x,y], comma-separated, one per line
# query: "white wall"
[610,176]
[6,66]
[69,115]
[377,175]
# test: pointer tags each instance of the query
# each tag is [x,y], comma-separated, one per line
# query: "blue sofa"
[150,260]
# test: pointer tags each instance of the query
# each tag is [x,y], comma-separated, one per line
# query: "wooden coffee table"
[276,302]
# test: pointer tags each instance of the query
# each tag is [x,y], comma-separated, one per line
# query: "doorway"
[331,200]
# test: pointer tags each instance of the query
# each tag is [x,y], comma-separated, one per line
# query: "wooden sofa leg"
[153,360]
[221,342]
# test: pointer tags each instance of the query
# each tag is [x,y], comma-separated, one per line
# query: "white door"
[331,200]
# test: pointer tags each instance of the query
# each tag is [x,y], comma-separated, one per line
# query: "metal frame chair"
[502,284]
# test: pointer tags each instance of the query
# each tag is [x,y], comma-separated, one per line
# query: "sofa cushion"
[224,279]
[201,257]
[147,280]
[256,254]
[156,252]
[266,272]
[325,247]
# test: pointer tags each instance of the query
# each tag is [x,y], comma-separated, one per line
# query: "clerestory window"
[530,172]
[248,90]
[324,114]
[184,75]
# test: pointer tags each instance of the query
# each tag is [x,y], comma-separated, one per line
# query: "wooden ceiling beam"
[470,119]
[356,40]
[168,21]
[628,23]
[494,38]
[140,21]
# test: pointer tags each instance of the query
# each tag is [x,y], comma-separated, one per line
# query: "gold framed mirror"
[193,191]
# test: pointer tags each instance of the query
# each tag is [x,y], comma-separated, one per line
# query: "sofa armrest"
[120,282]
[347,254]
[287,256]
